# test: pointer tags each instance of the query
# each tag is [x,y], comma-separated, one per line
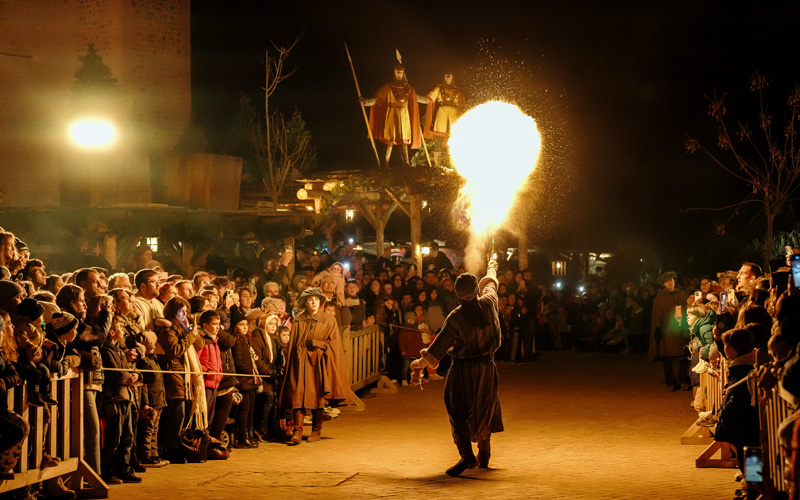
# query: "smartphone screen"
[753,465]
[795,260]
[723,298]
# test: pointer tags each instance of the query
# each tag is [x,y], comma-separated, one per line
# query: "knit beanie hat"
[8,290]
[61,323]
[236,316]
[296,281]
[30,309]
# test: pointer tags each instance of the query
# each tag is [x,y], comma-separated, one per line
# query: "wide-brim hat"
[310,292]
[669,275]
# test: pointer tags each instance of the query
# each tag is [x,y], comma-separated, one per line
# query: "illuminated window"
[349,214]
[152,243]
[559,268]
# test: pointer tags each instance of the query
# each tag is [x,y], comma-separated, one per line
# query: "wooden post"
[416,227]
[110,250]
[290,268]
[522,245]
[377,217]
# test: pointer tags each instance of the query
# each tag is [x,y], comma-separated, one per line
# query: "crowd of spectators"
[143,337]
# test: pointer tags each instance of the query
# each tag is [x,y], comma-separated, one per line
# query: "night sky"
[624,83]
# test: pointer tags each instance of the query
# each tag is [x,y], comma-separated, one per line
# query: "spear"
[363,110]
[421,134]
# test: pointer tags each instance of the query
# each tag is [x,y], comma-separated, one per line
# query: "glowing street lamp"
[93,133]
[349,215]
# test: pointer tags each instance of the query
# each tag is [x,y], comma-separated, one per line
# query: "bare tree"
[281,147]
[767,162]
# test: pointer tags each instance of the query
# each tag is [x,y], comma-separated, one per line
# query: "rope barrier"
[182,372]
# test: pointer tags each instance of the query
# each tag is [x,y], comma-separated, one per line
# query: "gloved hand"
[73,360]
[315,344]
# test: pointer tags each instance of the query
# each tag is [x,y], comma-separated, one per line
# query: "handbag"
[217,449]
[194,444]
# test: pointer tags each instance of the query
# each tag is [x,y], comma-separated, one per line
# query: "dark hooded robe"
[471,335]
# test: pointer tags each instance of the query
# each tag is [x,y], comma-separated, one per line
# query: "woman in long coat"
[316,370]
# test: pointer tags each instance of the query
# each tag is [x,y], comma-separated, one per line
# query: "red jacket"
[210,361]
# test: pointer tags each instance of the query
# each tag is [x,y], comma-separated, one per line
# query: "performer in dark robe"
[316,369]
[470,335]
[394,117]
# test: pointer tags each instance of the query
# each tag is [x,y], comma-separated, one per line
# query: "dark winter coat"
[243,360]
[8,378]
[175,342]
[88,342]
[738,418]
[117,384]
[667,336]
[226,341]
[154,394]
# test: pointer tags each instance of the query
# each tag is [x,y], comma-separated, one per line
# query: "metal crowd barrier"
[716,454]
[62,437]
[364,350]
[771,415]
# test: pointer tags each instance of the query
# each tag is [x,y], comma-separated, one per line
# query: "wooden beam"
[405,207]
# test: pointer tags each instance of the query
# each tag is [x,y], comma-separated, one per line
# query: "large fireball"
[494,146]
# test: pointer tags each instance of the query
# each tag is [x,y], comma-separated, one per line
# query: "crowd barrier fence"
[61,435]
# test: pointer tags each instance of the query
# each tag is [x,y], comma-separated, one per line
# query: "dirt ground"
[578,426]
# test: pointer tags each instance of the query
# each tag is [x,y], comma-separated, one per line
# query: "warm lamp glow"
[93,133]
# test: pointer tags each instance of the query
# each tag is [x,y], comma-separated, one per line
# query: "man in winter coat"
[316,370]
[470,335]
[668,338]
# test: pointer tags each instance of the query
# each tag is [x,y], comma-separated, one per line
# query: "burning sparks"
[494,146]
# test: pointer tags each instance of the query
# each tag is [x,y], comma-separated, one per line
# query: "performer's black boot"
[317,416]
[484,452]
[467,461]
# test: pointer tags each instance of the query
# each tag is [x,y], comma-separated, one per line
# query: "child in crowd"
[284,417]
[738,418]
[153,402]
[32,363]
[210,357]
[13,429]
[249,383]
[267,357]
[118,430]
